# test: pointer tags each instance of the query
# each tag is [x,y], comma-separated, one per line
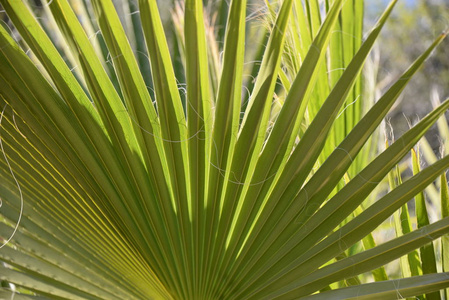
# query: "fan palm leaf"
[112,188]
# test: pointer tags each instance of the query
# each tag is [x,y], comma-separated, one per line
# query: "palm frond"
[116,185]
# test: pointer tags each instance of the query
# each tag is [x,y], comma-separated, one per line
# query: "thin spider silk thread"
[17,183]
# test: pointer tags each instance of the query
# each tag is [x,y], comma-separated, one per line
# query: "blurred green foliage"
[410,29]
